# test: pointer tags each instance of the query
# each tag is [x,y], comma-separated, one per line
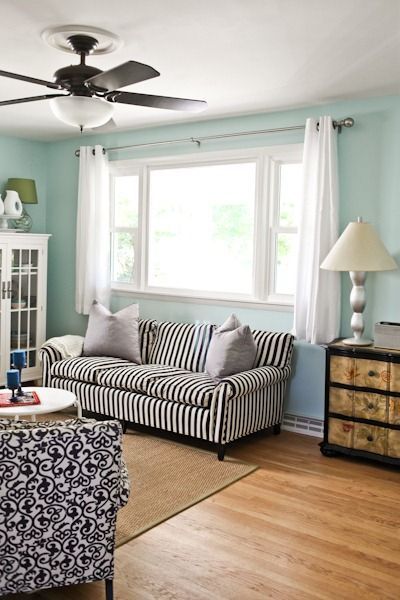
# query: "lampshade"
[26,189]
[82,111]
[359,249]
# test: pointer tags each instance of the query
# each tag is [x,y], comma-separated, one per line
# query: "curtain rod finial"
[348,122]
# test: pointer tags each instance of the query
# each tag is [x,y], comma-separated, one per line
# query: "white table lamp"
[358,250]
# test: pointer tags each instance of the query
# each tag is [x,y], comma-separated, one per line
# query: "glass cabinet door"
[3,308]
[24,302]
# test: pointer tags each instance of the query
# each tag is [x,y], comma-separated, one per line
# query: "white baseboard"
[304,425]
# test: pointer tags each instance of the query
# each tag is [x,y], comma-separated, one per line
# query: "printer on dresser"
[362,402]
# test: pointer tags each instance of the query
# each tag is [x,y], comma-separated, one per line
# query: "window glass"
[125,232]
[124,257]
[286,254]
[201,222]
[290,190]
[126,201]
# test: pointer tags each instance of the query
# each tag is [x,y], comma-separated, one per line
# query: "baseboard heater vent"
[304,425]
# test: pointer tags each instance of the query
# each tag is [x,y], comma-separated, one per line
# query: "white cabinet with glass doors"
[23,281]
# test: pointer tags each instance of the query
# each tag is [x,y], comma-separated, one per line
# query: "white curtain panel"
[317,299]
[92,230]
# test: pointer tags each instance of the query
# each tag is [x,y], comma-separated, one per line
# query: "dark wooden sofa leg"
[124,425]
[109,589]
[277,429]
[221,451]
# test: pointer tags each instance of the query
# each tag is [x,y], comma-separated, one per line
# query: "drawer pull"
[370,438]
[370,406]
[372,374]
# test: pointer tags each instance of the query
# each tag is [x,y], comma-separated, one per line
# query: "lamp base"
[24,223]
[357,341]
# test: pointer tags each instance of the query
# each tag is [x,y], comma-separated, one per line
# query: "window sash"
[265,231]
[209,292]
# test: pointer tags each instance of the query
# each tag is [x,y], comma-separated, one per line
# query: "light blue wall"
[27,159]
[369,159]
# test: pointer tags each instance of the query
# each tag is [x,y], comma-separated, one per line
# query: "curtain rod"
[347,122]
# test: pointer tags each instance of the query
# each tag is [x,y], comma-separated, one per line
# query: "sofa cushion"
[182,345]
[147,334]
[187,387]
[84,368]
[232,349]
[273,349]
[111,334]
[159,381]
[131,377]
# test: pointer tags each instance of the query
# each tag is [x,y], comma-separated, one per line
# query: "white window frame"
[275,229]
[266,224]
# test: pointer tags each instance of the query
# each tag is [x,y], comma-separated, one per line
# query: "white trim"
[292,152]
[122,291]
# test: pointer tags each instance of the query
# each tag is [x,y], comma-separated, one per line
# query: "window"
[201,222]
[218,226]
[125,221]
[284,231]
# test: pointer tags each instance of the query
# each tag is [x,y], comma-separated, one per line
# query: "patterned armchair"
[61,485]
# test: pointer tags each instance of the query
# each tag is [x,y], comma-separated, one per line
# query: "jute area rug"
[168,477]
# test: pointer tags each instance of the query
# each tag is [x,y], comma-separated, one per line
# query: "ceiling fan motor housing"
[72,78]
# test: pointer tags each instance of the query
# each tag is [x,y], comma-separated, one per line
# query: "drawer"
[340,432]
[394,443]
[395,377]
[371,373]
[341,401]
[394,411]
[342,369]
[370,438]
[371,406]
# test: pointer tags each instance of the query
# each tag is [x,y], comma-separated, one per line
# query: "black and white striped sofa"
[171,391]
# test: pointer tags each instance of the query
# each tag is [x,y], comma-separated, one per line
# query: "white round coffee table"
[51,400]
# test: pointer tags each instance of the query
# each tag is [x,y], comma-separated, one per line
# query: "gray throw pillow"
[115,335]
[232,349]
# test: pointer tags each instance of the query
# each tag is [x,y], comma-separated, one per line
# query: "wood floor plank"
[302,527]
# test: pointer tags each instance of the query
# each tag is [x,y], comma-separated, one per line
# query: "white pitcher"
[12,204]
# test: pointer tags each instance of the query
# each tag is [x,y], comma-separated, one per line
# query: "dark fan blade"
[30,99]
[156,101]
[125,74]
[48,84]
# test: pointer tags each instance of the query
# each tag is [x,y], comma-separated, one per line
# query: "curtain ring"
[94,151]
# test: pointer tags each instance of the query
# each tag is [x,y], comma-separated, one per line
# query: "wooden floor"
[301,527]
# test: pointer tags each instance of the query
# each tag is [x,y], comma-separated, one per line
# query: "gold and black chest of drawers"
[362,403]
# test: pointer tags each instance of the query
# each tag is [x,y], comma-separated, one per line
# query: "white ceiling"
[241,56]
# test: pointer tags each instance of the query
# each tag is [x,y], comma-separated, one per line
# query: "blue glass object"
[12,379]
[19,358]
[13,383]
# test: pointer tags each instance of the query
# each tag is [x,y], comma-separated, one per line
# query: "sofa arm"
[58,348]
[66,346]
[253,380]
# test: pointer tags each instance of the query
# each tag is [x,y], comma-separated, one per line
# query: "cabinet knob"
[370,405]
[371,374]
[370,438]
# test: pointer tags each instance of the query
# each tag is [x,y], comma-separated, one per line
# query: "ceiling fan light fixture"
[82,111]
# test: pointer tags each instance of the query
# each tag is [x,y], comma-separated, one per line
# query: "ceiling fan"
[91,92]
